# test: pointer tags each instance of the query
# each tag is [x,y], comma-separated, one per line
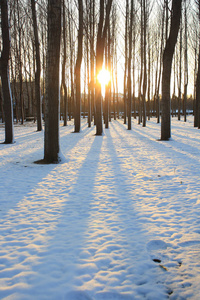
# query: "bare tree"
[185,61]
[38,68]
[129,66]
[51,144]
[126,59]
[63,82]
[167,65]
[4,72]
[78,69]
[197,100]
[180,69]
[101,35]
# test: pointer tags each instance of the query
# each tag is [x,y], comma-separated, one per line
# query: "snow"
[118,219]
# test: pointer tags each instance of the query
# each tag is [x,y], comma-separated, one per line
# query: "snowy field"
[118,219]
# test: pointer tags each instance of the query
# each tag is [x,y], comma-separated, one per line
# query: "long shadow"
[51,226]
[168,148]
[70,139]
[73,221]
[132,226]
[20,175]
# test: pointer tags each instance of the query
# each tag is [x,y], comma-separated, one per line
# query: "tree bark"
[63,65]
[38,69]
[185,65]
[51,147]
[126,60]
[78,69]
[145,67]
[180,71]
[101,35]
[4,72]
[167,64]
[197,111]
[129,67]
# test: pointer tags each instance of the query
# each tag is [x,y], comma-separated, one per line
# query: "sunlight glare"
[103,77]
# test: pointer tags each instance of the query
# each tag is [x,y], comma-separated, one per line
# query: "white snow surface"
[119,218]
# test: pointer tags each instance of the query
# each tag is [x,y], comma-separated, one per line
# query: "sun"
[103,77]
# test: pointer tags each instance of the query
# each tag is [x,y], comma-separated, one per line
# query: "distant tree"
[38,68]
[101,36]
[92,21]
[126,59]
[19,56]
[4,72]
[51,142]
[180,69]
[185,61]
[197,100]
[108,86]
[129,81]
[145,20]
[71,51]
[63,82]
[78,69]
[160,57]
[167,66]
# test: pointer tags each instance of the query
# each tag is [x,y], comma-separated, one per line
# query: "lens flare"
[103,77]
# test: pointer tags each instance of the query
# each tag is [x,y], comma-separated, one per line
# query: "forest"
[99,149]
[52,53]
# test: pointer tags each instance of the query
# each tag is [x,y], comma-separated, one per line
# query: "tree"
[129,82]
[145,66]
[126,60]
[19,24]
[38,69]
[71,50]
[197,100]
[180,69]
[51,142]
[92,11]
[4,72]
[185,63]
[78,69]
[167,65]
[63,83]
[101,35]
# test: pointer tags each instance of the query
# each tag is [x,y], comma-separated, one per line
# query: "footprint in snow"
[156,245]
[156,249]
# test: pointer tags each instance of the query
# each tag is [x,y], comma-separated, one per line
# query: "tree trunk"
[145,67]
[180,72]
[101,35]
[20,65]
[51,147]
[129,67]
[126,61]
[4,72]
[167,64]
[140,96]
[197,110]
[38,69]
[185,66]
[63,66]
[107,87]
[92,37]
[161,62]
[78,69]
[1,107]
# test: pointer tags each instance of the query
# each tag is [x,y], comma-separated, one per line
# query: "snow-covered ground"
[118,219]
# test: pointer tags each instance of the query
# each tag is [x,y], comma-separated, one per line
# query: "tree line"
[52,52]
